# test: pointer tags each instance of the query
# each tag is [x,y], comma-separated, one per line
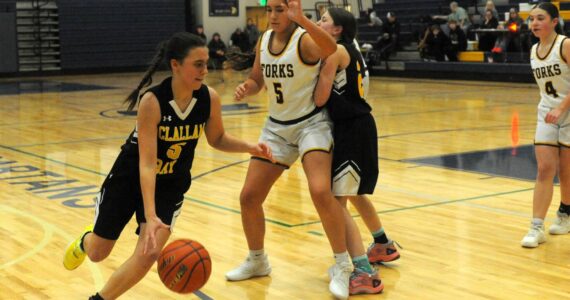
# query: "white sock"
[537,221]
[256,254]
[342,257]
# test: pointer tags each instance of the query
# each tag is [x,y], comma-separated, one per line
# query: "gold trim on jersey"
[301,56]
[551,144]
[284,48]
[317,149]
[258,50]
[549,50]
[273,163]
[561,48]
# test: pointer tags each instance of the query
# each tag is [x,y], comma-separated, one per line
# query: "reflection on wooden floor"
[460,229]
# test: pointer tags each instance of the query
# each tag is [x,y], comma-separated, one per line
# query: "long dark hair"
[343,18]
[177,47]
[552,11]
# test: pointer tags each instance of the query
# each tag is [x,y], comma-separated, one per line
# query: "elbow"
[216,143]
[329,51]
[213,143]
[320,102]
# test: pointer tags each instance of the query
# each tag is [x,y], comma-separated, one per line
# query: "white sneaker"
[250,268]
[561,225]
[340,279]
[534,237]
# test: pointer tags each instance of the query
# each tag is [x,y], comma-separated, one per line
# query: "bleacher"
[408,13]
[472,65]
[107,34]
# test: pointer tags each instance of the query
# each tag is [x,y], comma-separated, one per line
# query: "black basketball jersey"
[346,100]
[178,132]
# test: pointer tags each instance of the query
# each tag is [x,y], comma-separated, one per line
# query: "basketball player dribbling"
[152,172]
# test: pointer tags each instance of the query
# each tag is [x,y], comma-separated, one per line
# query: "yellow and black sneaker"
[74,255]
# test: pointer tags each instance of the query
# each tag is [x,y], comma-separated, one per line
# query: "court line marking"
[431,204]
[497,127]
[52,160]
[95,271]
[284,224]
[48,233]
[521,85]
[185,197]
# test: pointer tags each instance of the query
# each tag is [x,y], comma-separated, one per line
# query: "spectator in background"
[512,40]
[240,40]
[217,50]
[252,33]
[487,40]
[434,44]
[457,13]
[374,19]
[388,42]
[457,40]
[199,31]
[490,5]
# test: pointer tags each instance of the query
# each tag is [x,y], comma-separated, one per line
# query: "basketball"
[184,266]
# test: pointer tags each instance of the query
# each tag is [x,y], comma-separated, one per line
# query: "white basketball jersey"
[290,82]
[551,73]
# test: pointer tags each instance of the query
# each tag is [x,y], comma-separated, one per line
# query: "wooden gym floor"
[455,190]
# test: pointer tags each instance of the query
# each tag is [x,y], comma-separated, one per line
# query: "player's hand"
[261,150]
[295,11]
[153,224]
[241,91]
[553,116]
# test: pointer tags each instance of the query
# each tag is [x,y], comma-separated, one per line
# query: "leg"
[367,211]
[547,159]
[353,238]
[382,249]
[136,267]
[260,178]
[317,166]
[364,279]
[562,223]
[96,247]
[564,175]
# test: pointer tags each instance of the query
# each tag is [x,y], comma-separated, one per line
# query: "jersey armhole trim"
[562,48]
[301,56]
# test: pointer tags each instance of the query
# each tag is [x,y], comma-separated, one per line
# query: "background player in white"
[549,62]
[287,64]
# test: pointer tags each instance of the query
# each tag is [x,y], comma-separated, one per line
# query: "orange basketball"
[184,266]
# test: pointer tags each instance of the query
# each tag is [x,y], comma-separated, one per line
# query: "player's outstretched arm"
[218,138]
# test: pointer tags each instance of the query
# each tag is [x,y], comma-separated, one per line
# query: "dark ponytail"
[177,47]
[552,11]
[346,20]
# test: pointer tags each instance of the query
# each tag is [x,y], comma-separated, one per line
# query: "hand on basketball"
[262,150]
[553,116]
[241,91]
[153,224]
